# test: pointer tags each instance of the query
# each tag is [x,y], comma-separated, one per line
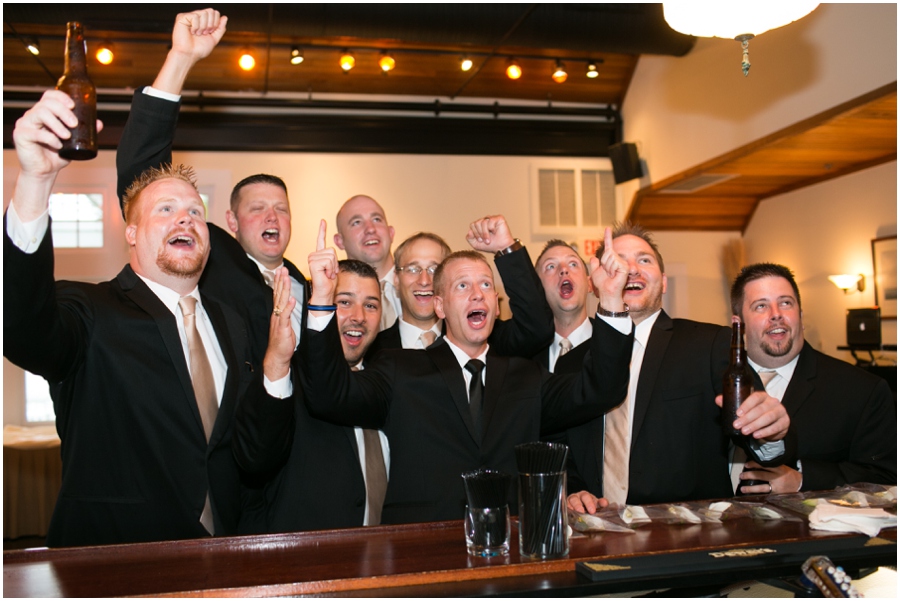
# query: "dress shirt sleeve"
[622,324]
[317,323]
[151,91]
[281,388]
[26,236]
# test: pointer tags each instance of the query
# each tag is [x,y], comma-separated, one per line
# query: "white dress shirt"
[409,334]
[578,336]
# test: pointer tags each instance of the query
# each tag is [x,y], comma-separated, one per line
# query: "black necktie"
[476,393]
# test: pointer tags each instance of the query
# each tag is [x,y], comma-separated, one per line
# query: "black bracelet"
[516,245]
[322,307]
[606,313]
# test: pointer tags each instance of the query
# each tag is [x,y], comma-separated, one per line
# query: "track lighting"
[296,56]
[347,61]
[246,61]
[513,70]
[466,63]
[33,46]
[592,70]
[387,63]
[105,54]
[559,74]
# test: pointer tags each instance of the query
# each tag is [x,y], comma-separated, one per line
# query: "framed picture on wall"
[884,263]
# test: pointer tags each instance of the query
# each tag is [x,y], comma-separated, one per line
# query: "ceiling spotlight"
[296,56]
[105,54]
[387,63]
[33,46]
[246,62]
[466,63]
[513,70]
[592,70]
[559,74]
[347,61]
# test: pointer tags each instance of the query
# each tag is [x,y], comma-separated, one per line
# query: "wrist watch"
[516,245]
[606,313]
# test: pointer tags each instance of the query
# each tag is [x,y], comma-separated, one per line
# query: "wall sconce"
[849,282]
[104,53]
[466,63]
[513,70]
[246,61]
[559,73]
[347,61]
[387,63]
[296,56]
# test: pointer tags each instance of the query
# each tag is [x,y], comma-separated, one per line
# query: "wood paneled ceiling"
[723,193]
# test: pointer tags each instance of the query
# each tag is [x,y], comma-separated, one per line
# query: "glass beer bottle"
[82,145]
[737,384]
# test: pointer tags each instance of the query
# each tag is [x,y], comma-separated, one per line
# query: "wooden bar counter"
[431,560]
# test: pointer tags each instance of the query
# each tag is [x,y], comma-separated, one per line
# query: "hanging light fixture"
[246,60]
[347,61]
[33,46]
[465,63]
[559,74]
[105,54]
[513,70]
[386,62]
[296,56]
[592,70]
[741,21]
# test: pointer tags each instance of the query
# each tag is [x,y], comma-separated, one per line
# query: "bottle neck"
[75,51]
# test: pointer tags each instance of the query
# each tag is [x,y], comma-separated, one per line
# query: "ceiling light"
[559,74]
[246,62]
[296,56]
[513,70]
[849,282]
[592,70]
[387,63]
[33,46]
[105,54]
[739,21]
[466,63]
[347,61]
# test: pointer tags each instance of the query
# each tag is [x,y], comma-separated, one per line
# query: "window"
[38,404]
[77,220]
[568,200]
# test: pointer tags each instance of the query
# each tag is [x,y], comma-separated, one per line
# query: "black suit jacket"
[419,399]
[230,275]
[531,326]
[845,421]
[136,463]
[678,452]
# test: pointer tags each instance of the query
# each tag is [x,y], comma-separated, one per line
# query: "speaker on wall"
[864,328]
[625,162]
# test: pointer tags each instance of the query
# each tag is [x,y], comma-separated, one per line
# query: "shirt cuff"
[622,324]
[770,450]
[151,91]
[318,322]
[281,388]
[26,236]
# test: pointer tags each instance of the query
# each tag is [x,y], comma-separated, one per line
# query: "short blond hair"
[152,174]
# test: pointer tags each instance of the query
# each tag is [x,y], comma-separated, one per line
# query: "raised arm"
[531,328]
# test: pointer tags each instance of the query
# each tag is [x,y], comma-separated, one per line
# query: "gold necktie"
[388,314]
[767,375]
[565,345]
[617,448]
[376,473]
[427,338]
[269,277]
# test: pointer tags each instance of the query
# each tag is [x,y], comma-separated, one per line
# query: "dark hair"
[755,272]
[553,244]
[445,248]
[626,228]
[363,270]
[470,255]
[259,178]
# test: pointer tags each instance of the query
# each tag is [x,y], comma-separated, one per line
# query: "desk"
[32,476]
[424,560]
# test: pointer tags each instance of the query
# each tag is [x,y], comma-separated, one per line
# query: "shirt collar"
[580,334]
[785,371]
[262,268]
[168,296]
[462,357]
[409,332]
[642,330]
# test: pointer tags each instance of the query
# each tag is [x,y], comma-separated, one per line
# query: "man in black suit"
[260,214]
[440,419]
[845,418]
[145,371]
[668,432]
[320,452]
[416,260]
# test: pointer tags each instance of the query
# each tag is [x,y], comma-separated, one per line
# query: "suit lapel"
[497,368]
[451,373]
[223,328]
[142,296]
[657,343]
[801,387]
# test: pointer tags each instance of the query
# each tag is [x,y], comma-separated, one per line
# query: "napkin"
[868,521]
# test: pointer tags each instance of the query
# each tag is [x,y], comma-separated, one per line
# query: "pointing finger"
[320,242]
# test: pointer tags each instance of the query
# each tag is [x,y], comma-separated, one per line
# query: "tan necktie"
[565,345]
[376,473]
[616,448]
[269,277]
[388,315]
[740,456]
[427,338]
[203,383]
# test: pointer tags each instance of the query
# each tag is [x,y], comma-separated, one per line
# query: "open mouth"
[634,286]
[353,337]
[477,318]
[182,241]
[372,242]
[779,331]
[270,235]
[566,288]
[423,294]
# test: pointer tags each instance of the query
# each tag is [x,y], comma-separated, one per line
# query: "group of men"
[211,389]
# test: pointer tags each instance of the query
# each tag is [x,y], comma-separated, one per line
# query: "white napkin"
[868,521]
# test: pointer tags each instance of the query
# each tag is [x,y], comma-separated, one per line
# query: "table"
[431,560]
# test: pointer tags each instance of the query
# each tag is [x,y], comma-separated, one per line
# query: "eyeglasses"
[417,269]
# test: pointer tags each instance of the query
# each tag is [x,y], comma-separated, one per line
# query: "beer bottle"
[738,382]
[76,83]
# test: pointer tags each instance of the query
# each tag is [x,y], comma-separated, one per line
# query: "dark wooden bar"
[431,560]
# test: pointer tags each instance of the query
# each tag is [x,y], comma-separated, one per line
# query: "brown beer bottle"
[737,384]
[76,83]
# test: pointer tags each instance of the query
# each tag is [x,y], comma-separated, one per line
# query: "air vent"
[697,183]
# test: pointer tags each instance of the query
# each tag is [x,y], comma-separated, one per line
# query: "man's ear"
[439,307]
[130,234]
[231,220]
[339,241]
[665,283]
[391,231]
